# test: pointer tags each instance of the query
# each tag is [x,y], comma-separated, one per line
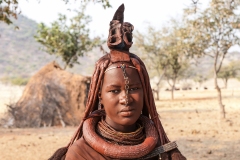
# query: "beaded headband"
[121,66]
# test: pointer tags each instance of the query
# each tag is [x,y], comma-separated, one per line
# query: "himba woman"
[121,120]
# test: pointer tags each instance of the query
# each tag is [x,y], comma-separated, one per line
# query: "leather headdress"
[120,32]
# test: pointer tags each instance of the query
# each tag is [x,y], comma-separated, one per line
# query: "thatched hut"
[52,97]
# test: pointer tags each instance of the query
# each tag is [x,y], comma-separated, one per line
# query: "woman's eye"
[133,89]
[114,91]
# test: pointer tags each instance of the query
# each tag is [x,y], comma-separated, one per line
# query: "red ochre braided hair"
[119,42]
[149,108]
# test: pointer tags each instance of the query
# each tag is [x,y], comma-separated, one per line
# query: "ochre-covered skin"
[149,108]
[86,143]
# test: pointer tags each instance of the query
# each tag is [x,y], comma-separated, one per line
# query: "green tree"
[175,71]
[174,48]
[67,41]
[163,51]
[150,45]
[211,32]
[199,78]
[229,71]
[8,9]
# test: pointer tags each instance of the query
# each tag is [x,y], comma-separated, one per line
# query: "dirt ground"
[192,120]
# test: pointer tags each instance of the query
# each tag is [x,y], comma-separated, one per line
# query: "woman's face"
[120,116]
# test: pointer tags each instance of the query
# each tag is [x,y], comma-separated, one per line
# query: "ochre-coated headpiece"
[120,32]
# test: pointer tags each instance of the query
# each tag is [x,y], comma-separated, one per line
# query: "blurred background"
[190,48]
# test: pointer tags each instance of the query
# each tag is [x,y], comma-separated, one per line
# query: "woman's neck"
[121,128]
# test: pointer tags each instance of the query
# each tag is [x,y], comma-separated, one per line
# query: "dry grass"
[200,134]
[192,120]
[9,94]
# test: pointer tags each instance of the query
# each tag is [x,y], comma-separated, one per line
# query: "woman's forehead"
[117,74]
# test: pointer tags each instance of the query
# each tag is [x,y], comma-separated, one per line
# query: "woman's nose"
[130,99]
[125,98]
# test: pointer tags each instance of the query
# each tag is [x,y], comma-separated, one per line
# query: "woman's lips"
[127,112]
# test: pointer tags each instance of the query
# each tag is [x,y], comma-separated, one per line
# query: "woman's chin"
[128,121]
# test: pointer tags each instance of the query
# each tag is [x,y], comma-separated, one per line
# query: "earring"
[99,104]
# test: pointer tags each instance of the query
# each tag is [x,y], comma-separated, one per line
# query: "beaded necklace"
[111,135]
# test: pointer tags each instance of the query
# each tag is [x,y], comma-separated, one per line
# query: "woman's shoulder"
[81,150]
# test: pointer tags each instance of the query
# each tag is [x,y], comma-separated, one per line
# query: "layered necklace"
[109,134]
[107,141]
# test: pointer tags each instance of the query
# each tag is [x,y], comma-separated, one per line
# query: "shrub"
[19,81]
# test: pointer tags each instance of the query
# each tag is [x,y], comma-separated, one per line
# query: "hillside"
[19,53]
